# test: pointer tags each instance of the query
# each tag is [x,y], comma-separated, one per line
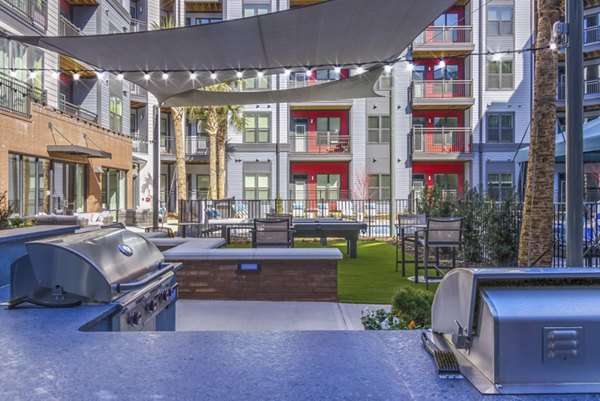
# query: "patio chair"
[297,210]
[406,230]
[272,233]
[167,231]
[440,234]
[323,209]
[240,211]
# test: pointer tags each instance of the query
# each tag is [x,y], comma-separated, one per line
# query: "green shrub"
[501,237]
[278,206]
[413,304]
[17,222]
[6,211]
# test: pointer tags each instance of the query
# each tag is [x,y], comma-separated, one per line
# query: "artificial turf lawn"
[371,278]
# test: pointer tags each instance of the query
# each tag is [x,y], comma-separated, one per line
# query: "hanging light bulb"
[442,64]
[165,75]
[99,74]
[213,75]
[337,69]
[146,76]
[287,72]
[239,74]
[260,74]
[410,67]
[120,76]
[497,57]
[387,68]
[553,46]
[193,75]
[360,70]
[12,73]
[309,72]
[31,74]
[55,74]
[76,76]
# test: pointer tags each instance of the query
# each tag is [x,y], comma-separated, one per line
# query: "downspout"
[480,95]
[278,139]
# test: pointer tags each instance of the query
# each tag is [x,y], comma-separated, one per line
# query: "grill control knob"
[151,305]
[134,318]
[166,294]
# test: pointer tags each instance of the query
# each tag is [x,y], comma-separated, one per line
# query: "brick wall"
[278,280]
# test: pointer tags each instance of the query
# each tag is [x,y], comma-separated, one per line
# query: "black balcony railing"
[34,11]
[16,96]
[77,111]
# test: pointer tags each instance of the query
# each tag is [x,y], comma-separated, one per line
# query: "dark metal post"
[156,168]
[574,139]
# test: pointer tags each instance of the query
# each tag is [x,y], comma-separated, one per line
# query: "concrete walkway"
[264,315]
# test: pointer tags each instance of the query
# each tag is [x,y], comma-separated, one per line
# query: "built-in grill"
[521,331]
[111,265]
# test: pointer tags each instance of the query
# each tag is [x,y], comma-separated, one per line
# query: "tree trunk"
[535,245]
[177,113]
[212,126]
[222,139]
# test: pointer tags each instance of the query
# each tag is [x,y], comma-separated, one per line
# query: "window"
[379,129]
[327,75]
[29,184]
[202,186]
[115,112]
[447,72]
[256,186]
[384,83]
[328,186]
[257,83]
[379,186]
[500,21]
[500,128]
[114,189]
[500,186]
[448,183]
[251,10]
[326,126]
[257,128]
[500,74]
[206,21]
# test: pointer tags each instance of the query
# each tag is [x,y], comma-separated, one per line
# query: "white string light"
[120,76]
[260,74]
[193,75]
[239,74]
[12,73]
[165,75]
[497,57]
[388,68]
[55,74]
[442,64]
[76,76]
[553,46]
[309,72]
[213,75]
[146,76]
[99,74]
[410,67]
[287,72]
[337,69]
[32,75]
[360,70]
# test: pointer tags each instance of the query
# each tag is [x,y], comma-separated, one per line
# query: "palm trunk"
[177,113]
[212,126]
[221,138]
[536,242]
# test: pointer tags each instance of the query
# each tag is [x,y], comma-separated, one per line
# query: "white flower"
[396,320]
[372,314]
[385,325]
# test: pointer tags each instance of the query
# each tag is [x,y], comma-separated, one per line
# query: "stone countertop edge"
[247,254]
[198,242]
[32,232]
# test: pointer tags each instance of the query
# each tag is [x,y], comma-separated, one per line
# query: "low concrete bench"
[179,245]
[294,274]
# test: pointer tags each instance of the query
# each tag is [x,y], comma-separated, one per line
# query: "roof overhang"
[76,150]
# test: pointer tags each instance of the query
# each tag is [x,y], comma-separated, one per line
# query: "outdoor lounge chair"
[272,233]
[297,210]
[406,230]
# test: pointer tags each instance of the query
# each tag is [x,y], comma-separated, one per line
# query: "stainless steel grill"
[111,265]
[521,331]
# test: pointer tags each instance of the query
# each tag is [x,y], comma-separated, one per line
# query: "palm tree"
[177,114]
[535,245]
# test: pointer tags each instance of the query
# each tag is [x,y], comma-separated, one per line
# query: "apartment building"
[65,146]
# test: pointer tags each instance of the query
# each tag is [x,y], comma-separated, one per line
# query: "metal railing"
[303,83]
[138,25]
[16,96]
[319,142]
[77,111]
[67,28]
[442,89]
[591,35]
[441,140]
[193,145]
[139,142]
[590,87]
[34,11]
[437,35]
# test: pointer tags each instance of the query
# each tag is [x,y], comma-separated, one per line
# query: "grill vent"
[563,344]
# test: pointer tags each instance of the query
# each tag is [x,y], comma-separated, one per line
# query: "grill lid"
[94,264]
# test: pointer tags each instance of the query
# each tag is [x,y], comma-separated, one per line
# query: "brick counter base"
[278,280]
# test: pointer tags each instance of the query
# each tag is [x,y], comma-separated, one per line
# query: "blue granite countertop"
[44,357]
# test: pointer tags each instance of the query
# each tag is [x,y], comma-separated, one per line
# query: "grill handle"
[134,285]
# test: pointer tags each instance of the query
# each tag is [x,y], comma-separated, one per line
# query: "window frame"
[255,7]
[500,184]
[377,189]
[501,76]
[500,128]
[257,131]
[379,131]
[257,189]
[500,22]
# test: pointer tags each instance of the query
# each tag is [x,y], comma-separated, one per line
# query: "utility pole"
[574,138]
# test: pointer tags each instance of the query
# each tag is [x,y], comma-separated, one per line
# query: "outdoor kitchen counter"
[44,357]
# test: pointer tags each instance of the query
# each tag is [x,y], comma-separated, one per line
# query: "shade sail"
[591,145]
[337,32]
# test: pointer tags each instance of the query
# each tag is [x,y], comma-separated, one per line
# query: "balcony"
[139,142]
[195,147]
[320,143]
[67,28]
[591,93]
[447,94]
[34,11]
[444,143]
[77,111]
[138,25]
[16,96]
[444,41]
[591,41]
